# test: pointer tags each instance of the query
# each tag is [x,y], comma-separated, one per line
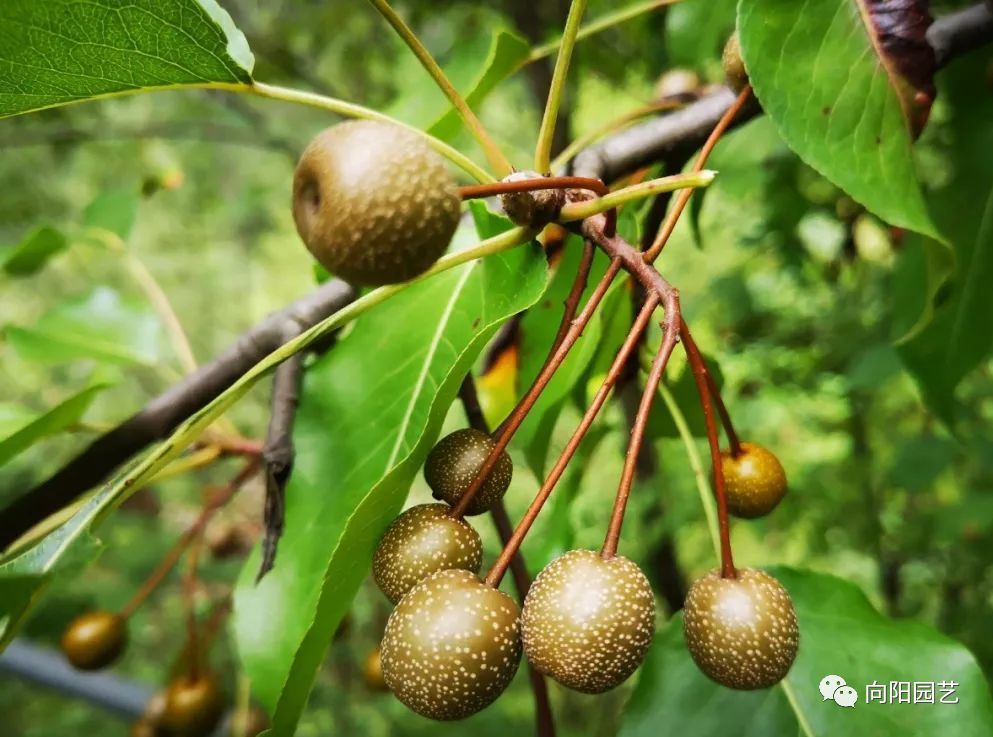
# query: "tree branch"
[278,453]
[164,413]
[677,134]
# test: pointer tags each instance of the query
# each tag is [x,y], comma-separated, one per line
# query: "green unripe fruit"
[588,621]
[454,462]
[754,481]
[373,202]
[741,632]
[421,541]
[94,640]
[193,707]
[451,646]
[734,66]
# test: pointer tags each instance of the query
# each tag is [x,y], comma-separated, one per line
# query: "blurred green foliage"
[788,284]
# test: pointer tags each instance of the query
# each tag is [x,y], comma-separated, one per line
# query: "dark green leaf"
[506,53]
[840,634]
[817,71]
[370,412]
[60,417]
[941,350]
[32,253]
[99,326]
[61,51]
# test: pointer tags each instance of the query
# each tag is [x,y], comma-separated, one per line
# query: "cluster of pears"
[454,641]
[189,706]
[742,631]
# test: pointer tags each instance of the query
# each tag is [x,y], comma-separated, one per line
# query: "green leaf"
[143,469]
[505,55]
[100,326]
[370,411]
[25,575]
[58,52]
[60,417]
[538,330]
[695,34]
[816,70]
[31,254]
[114,210]
[840,634]
[951,335]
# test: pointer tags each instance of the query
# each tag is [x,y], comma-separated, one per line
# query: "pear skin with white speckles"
[373,202]
[451,646]
[454,462]
[742,632]
[754,480]
[588,621]
[422,541]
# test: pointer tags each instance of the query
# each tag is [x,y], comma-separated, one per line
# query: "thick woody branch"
[164,413]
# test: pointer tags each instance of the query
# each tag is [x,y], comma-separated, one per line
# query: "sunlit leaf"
[370,411]
[840,634]
[59,418]
[58,52]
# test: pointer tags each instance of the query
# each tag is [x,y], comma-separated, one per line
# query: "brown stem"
[616,369]
[597,186]
[684,196]
[669,339]
[217,500]
[544,721]
[571,303]
[193,649]
[700,375]
[733,442]
[520,412]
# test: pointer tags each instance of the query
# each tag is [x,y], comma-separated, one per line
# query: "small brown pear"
[754,480]
[451,646]
[95,639]
[373,202]
[454,462]
[422,541]
[588,621]
[742,632]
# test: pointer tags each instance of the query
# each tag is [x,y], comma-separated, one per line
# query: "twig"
[544,721]
[164,413]
[520,412]
[699,374]
[493,153]
[616,369]
[533,185]
[546,131]
[733,442]
[684,196]
[683,131]
[669,339]
[217,500]
[600,24]
[278,454]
